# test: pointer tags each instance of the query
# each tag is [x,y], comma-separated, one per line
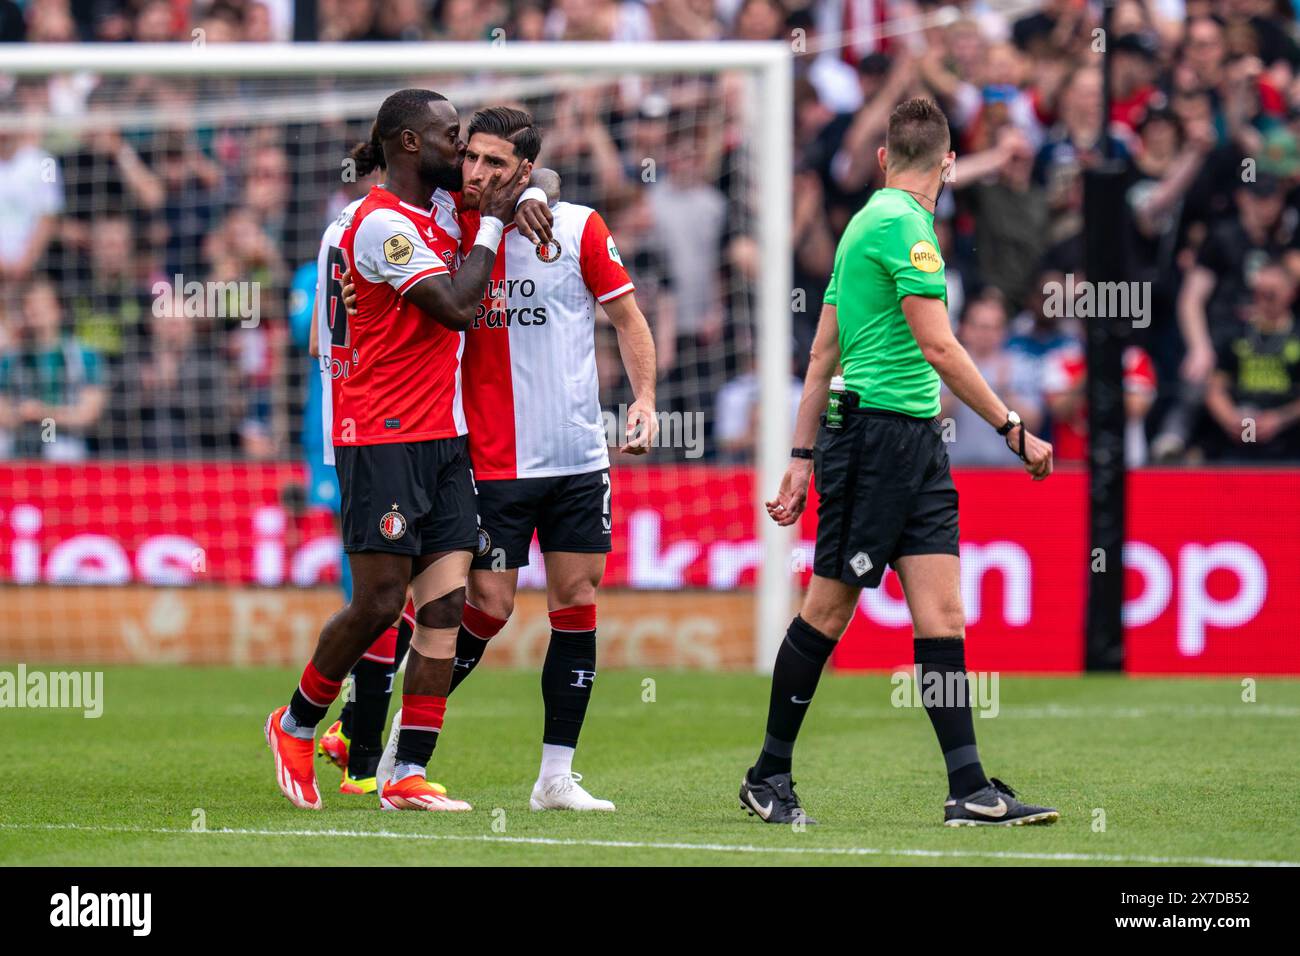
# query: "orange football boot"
[416,793]
[295,770]
[334,745]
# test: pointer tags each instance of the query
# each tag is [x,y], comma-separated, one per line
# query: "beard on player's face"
[440,171]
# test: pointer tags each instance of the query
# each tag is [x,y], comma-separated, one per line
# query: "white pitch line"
[648,845]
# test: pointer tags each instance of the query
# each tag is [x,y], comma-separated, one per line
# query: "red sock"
[384,650]
[480,623]
[313,697]
[421,723]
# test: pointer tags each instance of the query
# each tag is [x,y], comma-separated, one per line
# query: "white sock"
[295,729]
[404,770]
[557,761]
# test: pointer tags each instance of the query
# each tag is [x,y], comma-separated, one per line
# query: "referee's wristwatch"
[801,453]
[1013,420]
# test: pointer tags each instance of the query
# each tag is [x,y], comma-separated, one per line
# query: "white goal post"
[771,108]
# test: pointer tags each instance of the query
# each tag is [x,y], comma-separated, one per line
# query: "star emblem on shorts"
[860,563]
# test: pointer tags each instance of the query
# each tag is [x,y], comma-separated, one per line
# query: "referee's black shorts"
[412,498]
[885,492]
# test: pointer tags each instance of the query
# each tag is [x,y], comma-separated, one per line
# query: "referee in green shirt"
[886,493]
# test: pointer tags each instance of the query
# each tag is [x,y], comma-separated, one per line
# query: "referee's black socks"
[945,693]
[799,665]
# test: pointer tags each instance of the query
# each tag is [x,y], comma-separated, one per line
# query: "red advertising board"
[1212,578]
[1213,572]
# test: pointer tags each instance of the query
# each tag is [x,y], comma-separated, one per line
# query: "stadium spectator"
[1011,212]
[983,331]
[685,20]
[632,221]
[1135,63]
[31,197]
[690,215]
[404,20]
[737,423]
[527,21]
[189,211]
[155,22]
[466,21]
[1037,333]
[13,25]
[52,388]
[106,173]
[108,302]
[177,398]
[1253,395]
[759,20]
[1065,386]
[835,80]
[619,21]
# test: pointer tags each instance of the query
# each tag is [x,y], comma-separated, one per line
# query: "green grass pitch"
[1182,770]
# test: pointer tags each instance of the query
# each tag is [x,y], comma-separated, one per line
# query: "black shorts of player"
[411,498]
[885,491]
[568,512]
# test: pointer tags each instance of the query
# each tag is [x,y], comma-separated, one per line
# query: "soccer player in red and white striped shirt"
[408,513]
[536,432]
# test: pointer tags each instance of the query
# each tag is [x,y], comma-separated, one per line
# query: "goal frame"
[770,62]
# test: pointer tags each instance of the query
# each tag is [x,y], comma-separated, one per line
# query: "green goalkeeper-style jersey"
[889,250]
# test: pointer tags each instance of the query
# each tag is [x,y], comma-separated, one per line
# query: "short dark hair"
[918,134]
[514,126]
[401,110]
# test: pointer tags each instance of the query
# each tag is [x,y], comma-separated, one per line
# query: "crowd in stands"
[98,207]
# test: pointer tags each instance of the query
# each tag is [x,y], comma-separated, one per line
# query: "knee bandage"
[438,593]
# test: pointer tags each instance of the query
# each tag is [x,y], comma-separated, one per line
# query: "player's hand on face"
[500,195]
[792,498]
[642,429]
[533,218]
[349,293]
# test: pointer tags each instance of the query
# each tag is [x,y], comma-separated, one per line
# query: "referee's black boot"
[995,806]
[772,799]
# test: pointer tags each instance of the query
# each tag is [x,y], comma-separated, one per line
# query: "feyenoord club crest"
[392,525]
[548,251]
[484,542]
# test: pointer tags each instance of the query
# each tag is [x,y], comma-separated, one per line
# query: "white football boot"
[563,792]
[388,762]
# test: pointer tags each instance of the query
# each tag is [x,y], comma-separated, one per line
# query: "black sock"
[567,676]
[416,746]
[950,713]
[372,686]
[304,711]
[469,651]
[366,708]
[799,665]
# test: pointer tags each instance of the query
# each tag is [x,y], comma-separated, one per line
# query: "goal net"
[162,497]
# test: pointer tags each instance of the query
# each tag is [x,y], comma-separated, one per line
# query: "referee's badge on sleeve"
[925,257]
